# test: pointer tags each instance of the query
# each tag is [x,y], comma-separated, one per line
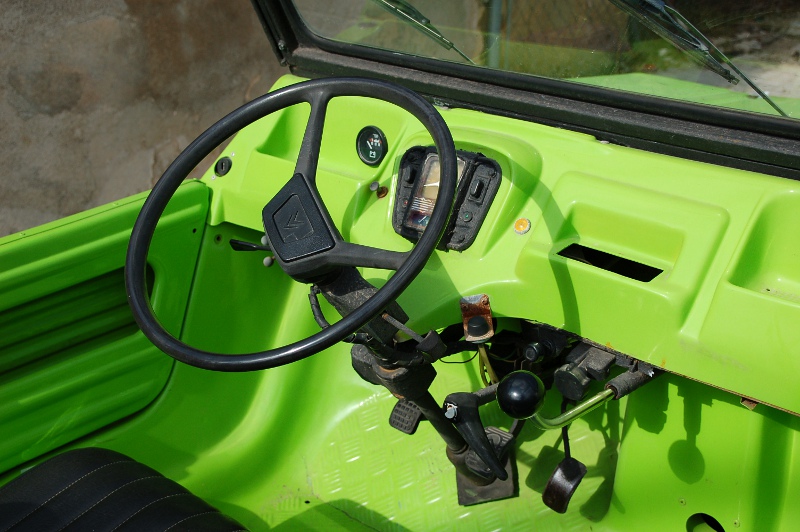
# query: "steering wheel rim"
[167,185]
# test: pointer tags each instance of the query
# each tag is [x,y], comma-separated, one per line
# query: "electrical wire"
[443,361]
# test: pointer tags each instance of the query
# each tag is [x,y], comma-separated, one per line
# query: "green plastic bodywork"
[72,359]
[676,89]
[308,446]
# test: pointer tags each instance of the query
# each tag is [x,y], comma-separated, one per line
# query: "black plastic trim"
[573,90]
[273,21]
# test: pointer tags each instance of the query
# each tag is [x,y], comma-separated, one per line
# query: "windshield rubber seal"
[732,138]
[744,150]
[720,116]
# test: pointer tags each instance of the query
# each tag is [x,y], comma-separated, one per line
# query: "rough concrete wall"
[98,96]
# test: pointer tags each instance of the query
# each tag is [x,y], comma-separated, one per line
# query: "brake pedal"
[405,416]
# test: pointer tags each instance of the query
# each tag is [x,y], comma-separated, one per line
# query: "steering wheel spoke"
[349,254]
[308,158]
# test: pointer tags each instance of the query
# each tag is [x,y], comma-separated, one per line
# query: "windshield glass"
[737,54]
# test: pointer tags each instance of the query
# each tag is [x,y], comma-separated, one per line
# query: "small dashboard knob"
[477,326]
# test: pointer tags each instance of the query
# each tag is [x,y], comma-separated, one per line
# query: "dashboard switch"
[476,189]
[418,186]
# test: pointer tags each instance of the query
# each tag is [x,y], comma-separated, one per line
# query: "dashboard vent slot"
[612,263]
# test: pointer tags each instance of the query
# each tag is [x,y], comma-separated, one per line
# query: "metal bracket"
[473,310]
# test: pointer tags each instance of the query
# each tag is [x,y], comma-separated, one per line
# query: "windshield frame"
[751,141]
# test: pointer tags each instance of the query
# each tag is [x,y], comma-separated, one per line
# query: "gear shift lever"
[462,409]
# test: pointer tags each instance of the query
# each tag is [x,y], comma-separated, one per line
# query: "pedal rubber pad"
[563,483]
[405,416]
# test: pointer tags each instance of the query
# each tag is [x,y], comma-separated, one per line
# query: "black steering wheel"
[315,250]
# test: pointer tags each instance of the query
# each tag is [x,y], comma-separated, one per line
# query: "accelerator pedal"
[566,477]
[405,417]
[563,483]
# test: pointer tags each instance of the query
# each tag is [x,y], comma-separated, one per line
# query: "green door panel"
[72,359]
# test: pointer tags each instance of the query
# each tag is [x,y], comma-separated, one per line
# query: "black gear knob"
[520,394]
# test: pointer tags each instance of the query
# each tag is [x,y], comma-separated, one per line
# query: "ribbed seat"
[101,490]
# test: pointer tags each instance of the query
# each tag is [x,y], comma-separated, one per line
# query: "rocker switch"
[476,189]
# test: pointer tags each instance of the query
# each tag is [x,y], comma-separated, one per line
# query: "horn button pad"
[294,222]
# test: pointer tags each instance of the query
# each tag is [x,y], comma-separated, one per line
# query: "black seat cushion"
[98,489]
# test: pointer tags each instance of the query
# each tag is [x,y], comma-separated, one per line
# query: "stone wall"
[98,96]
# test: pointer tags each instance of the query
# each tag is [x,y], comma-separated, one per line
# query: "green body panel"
[677,89]
[72,359]
[308,446]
